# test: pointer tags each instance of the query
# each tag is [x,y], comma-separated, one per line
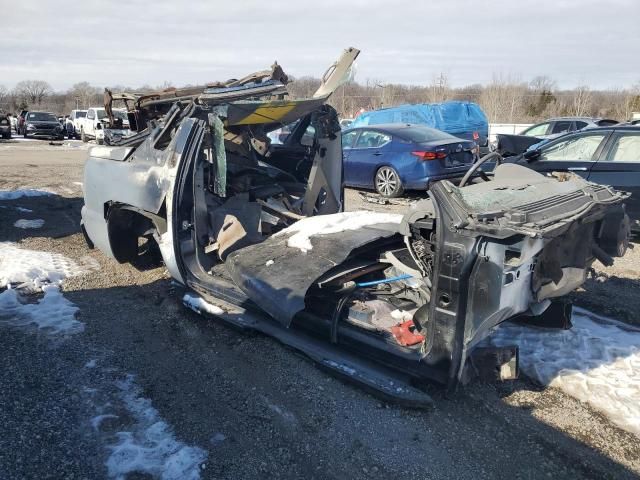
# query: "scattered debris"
[380,200]
[405,334]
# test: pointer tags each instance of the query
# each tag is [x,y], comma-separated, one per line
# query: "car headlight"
[31,126]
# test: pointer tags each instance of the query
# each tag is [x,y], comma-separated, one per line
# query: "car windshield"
[119,114]
[101,113]
[423,134]
[81,114]
[41,117]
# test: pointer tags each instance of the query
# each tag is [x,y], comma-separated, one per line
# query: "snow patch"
[19,265]
[97,420]
[268,263]
[22,223]
[150,446]
[91,364]
[37,271]
[597,362]
[53,312]
[24,210]
[198,305]
[23,192]
[304,229]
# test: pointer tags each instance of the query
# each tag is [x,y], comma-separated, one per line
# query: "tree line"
[506,99]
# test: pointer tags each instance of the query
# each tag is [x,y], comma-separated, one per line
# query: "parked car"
[263,244]
[42,124]
[397,157]
[5,126]
[464,120]
[94,125]
[557,126]
[509,145]
[91,126]
[72,124]
[605,155]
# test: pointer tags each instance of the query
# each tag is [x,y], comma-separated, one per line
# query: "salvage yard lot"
[146,384]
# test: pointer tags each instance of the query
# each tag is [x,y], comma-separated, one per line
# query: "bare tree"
[32,92]
[502,98]
[542,83]
[439,89]
[581,104]
[4,97]
[303,87]
[83,95]
[628,102]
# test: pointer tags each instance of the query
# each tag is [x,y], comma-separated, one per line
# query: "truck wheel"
[83,137]
[99,141]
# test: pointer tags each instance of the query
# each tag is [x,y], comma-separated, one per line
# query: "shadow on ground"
[61,217]
[262,411]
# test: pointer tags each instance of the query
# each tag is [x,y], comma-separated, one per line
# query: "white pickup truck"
[72,123]
[93,126]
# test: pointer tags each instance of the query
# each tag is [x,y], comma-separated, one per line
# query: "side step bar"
[383,383]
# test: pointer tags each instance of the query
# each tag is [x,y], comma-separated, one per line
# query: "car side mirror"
[531,154]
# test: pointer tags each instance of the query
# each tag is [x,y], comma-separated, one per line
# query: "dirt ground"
[259,409]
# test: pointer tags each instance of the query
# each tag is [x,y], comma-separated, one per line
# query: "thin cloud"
[143,42]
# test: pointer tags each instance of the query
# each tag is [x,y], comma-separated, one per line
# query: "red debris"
[405,335]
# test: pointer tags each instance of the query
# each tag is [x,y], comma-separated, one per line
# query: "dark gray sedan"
[5,127]
[42,124]
[605,155]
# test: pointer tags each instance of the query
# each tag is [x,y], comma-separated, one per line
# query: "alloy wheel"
[387,181]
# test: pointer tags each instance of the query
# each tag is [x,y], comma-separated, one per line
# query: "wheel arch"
[126,224]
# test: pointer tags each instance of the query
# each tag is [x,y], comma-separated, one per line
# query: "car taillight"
[429,155]
[476,136]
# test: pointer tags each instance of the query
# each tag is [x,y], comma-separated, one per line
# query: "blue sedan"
[393,158]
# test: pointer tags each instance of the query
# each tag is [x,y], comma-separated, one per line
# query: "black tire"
[25,135]
[387,182]
[99,141]
[83,137]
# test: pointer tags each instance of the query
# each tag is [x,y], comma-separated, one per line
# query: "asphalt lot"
[255,408]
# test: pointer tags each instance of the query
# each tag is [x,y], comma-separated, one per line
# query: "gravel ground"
[257,407]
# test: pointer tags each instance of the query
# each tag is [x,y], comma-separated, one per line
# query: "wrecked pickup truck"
[257,234]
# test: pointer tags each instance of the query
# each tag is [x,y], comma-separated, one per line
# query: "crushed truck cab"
[258,232]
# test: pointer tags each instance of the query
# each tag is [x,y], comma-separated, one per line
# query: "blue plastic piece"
[384,280]
[461,119]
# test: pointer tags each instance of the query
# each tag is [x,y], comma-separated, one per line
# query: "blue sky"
[148,42]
